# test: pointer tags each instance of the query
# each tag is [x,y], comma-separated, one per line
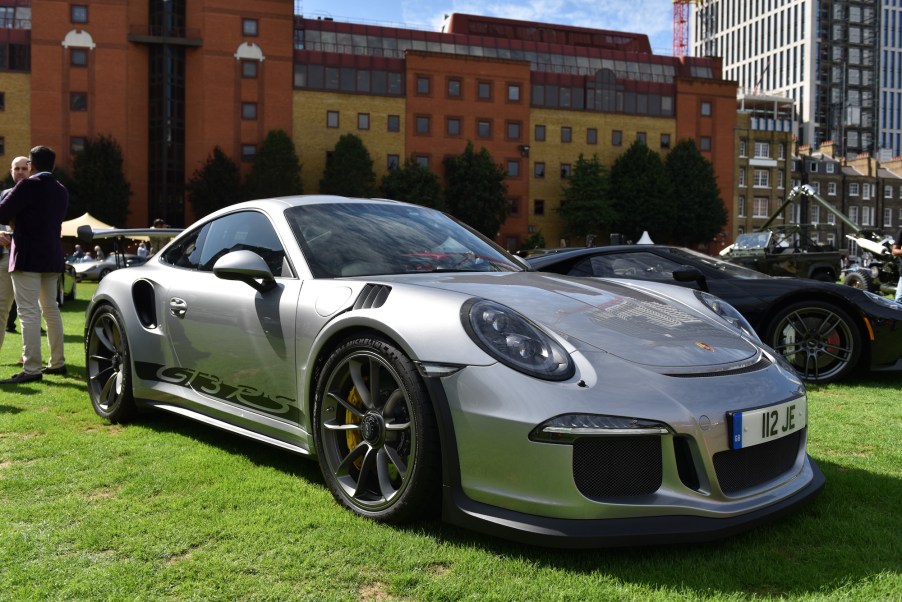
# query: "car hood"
[620,318]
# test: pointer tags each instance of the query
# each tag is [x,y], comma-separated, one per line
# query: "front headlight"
[515,341]
[728,314]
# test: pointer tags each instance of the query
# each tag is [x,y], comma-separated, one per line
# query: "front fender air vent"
[372,296]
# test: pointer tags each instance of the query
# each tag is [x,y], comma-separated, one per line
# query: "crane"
[681,26]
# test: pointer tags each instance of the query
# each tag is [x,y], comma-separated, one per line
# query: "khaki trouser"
[36,295]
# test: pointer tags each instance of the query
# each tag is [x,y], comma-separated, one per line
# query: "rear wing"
[87,234]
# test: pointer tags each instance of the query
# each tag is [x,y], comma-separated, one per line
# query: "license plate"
[753,427]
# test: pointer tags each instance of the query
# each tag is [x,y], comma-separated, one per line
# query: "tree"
[100,187]
[276,170]
[640,195]
[216,184]
[413,183]
[586,209]
[696,197]
[349,169]
[475,192]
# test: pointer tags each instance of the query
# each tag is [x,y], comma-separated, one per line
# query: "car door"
[234,344]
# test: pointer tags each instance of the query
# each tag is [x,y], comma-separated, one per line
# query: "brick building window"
[565,171]
[513,92]
[78,57]
[394,123]
[617,138]
[423,125]
[538,207]
[363,121]
[454,88]
[78,13]
[332,119]
[248,152]
[566,134]
[591,136]
[424,85]
[393,162]
[484,90]
[78,101]
[513,168]
[483,128]
[665,140]
[249,27]
[453,126]
[538,169]
[540,133]
[513,130]
[249,111]
[2,101]
[704,143]
[249,69]
[76,144]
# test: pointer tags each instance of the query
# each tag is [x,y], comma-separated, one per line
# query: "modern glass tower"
[838,60]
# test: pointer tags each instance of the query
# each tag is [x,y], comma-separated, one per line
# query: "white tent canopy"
[645,239]
[70,227]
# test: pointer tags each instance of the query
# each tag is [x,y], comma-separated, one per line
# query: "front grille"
[739,469]
[617,466]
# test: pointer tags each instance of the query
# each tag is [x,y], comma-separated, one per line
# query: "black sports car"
[825,330]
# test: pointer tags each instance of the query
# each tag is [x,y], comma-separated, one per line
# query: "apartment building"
[838,60]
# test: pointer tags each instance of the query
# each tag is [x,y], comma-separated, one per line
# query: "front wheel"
[820,340]
[108,366]
[375,432]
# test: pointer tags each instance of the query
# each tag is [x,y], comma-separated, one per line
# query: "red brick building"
[170,80]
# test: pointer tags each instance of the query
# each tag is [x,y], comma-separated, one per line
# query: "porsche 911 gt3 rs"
[428,371]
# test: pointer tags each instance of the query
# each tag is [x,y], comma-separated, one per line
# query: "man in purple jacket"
[36,208]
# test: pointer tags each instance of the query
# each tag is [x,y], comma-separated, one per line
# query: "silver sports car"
[428,371]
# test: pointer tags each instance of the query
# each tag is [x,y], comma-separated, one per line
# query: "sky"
[654,18]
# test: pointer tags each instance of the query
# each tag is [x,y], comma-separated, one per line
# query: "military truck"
[792,250]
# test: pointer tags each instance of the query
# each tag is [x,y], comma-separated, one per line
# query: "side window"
[187,253]
[634,265]
[246,230]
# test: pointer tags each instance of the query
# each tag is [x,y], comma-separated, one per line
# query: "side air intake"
[372,296]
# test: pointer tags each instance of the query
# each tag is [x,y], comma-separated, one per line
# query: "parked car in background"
[97,270]
[67,283]
[825,330]
[427,369]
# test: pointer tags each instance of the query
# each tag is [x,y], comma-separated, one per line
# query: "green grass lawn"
[166,509]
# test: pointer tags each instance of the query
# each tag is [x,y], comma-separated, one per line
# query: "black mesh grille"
[739,469]
[617,466]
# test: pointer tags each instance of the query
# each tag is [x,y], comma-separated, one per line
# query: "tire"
[102,275]
[820,340]
[860,279]
[108,366]
[378,451]
[824,276]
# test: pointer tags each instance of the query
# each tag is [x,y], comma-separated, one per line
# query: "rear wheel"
[375,432]
[820,340]
[108,366]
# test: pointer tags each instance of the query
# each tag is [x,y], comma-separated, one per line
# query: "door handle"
[178,307]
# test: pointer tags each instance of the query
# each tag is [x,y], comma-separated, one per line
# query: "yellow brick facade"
[313,138]
[15,118]
[555,153]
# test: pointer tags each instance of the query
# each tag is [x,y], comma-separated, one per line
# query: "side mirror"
[245,266]
[688,273]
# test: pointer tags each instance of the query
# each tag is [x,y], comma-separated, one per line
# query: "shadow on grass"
[841,538]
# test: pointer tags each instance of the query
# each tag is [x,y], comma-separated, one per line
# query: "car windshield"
[729,270]
[361,238]
[752,240]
